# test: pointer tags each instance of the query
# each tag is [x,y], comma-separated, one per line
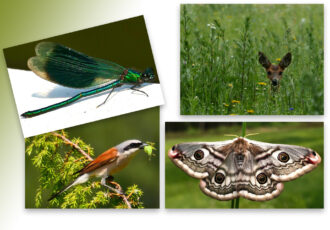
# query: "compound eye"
[199,154]
[283,157]
[262,178]
[219,178]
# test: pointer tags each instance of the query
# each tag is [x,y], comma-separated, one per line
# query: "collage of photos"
[90,106]
[75,151]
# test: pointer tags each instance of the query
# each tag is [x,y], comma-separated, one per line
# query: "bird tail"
[60,192]
[81,179]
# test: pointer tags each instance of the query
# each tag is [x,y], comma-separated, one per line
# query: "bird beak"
[143,145]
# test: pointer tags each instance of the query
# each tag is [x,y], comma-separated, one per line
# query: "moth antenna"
[231,135]
[251,134]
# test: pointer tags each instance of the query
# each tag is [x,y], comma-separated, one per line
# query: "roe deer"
[274,72]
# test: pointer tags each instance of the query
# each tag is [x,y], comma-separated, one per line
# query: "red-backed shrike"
[111,161]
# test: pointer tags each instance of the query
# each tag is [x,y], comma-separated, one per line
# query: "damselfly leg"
[138,90]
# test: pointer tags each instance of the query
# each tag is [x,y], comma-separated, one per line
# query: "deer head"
[274,72]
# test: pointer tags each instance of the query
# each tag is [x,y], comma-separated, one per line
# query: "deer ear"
[286,60]
[263,60]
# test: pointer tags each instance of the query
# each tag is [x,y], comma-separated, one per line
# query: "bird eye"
[134,145]
[280,73]
[269,73]
[262,178]
[219,178]
[199,154]
[131,146]
[283,157]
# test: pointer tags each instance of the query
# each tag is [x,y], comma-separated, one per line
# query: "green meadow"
[220,72]
[307,191]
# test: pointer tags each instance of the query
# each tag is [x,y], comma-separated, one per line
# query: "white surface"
[32,92]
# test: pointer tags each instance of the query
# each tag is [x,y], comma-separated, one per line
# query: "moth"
[242,167]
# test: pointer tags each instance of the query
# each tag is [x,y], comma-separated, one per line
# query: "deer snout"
[274,82]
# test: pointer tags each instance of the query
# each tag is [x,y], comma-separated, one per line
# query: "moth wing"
[285,162]
[236,189]
[198,159]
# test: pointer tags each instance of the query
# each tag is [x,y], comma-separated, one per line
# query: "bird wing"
[103,159]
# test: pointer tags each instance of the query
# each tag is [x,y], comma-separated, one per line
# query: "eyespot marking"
[219,178]
[283,157]
[262,178]
[199,154]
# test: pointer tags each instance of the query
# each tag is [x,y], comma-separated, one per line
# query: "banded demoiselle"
[67,67]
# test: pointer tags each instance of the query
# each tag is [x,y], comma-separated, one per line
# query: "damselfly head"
[148,74]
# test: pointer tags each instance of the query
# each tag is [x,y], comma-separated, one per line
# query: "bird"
[106,164]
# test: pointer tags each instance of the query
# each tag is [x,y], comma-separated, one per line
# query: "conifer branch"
[119,191]
[74,145]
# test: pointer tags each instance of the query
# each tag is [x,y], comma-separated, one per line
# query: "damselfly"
[67,67]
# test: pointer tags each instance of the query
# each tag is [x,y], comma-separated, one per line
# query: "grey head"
[131,146]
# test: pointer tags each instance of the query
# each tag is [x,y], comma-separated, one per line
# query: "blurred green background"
[104,134]
[182,191]
[124,42]
[219,58]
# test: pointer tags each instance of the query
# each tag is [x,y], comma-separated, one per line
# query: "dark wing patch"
[67,67]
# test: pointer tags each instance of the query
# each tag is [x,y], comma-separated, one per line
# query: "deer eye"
[269,73]
[280,73]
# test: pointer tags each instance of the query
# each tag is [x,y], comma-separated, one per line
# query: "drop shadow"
[62,92]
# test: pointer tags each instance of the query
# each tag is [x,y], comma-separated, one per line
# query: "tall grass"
[220,73]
